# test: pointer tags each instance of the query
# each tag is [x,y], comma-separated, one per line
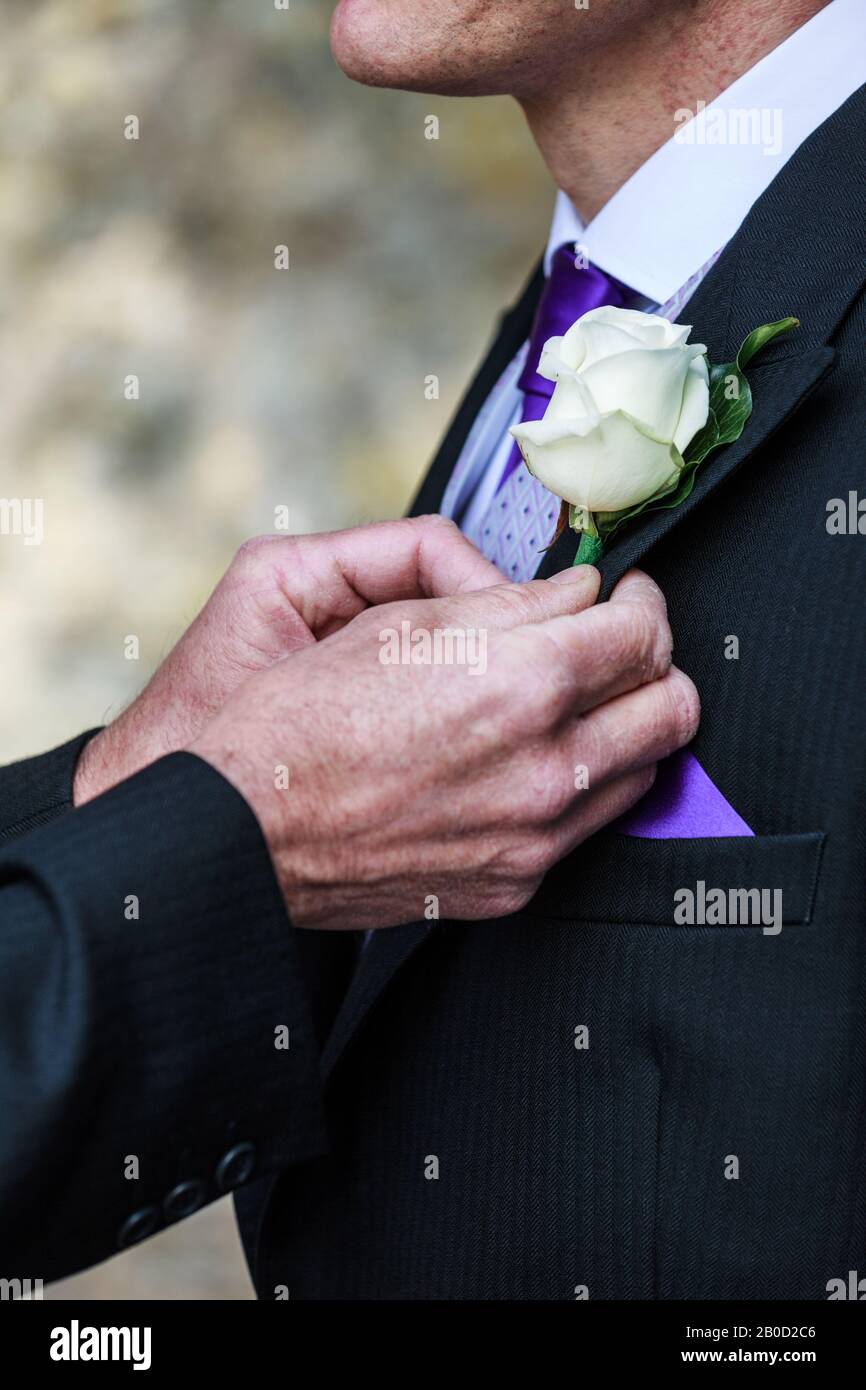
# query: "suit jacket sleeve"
[155,1044]
[38,790]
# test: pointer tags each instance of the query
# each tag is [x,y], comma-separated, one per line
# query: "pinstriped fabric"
[151,1035]
[37,790]
[606,1167]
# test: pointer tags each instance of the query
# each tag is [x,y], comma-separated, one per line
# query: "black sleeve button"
[138,1227]
[236,1167]
[184,1199]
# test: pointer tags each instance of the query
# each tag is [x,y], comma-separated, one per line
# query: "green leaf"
[731,403]
[731,395]
[759,337]
[706,438]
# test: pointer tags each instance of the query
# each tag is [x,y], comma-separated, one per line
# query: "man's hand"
[280,594]
[379,786]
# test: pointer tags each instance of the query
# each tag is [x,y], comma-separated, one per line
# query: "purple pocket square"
[682,804]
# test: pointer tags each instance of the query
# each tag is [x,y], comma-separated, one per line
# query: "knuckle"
[629,790]
[684,705]
[599,742]
[251,547]
[545,699]
[658,641]
[432,521]
[525,601]
[530,859]
[502,889]
[504,902]
[644,779]
[251,552]
[539,794]
[518,895]
[550,789]
[632,643]
[378,619]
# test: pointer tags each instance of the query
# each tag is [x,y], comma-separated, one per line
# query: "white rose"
[630,396]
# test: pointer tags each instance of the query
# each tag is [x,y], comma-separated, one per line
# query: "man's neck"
[595,127]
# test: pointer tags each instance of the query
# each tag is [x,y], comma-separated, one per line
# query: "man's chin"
[373,47]
[360,42]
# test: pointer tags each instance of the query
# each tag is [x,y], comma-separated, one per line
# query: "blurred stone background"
[258,387]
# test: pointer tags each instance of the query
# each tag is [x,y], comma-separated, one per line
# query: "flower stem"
[590,550]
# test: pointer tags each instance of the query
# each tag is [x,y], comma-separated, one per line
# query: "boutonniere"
[635,410]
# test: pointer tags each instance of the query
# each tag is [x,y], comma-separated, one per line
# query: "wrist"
[99,767]
[132,742]
[284,824]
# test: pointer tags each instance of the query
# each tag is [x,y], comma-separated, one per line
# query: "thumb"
[316,584]
[539,600]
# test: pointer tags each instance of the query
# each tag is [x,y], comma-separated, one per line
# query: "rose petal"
[572,346]
[573,400]
[552,363]
[605,469]
[696,404]
[647,330]
[587,345]
[648,383]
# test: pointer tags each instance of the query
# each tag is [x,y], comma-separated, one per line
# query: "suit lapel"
[772,268]
[386,951]
[778,389]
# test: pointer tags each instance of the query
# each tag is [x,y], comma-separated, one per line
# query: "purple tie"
[570,290]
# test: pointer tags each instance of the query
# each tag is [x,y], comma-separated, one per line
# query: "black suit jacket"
[713,1051]
[709,1141]
[146,966]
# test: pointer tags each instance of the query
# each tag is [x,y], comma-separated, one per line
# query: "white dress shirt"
[684,204]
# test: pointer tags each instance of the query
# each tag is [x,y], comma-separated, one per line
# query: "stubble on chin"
[436,46]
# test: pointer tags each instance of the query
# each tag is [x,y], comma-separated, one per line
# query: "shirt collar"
[692,194]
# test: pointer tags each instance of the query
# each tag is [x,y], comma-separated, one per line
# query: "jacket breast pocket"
[763,881]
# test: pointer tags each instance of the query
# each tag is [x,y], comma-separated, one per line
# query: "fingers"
[508,606]
[419,557]
[633,730]
[551,774]
[330,578]
[536,850]
[530,854]
[588,658]
[637,587]
[606,805]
